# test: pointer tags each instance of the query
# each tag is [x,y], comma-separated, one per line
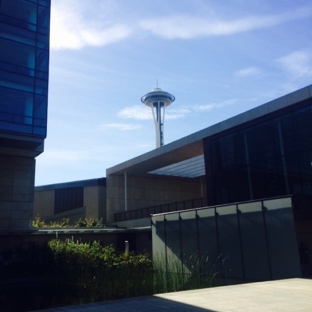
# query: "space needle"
[158,100]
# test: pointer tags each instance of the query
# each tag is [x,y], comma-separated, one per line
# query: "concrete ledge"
[133,223]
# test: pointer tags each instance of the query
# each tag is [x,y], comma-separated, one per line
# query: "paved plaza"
[282,295]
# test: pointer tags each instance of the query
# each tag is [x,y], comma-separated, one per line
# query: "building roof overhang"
[191,146]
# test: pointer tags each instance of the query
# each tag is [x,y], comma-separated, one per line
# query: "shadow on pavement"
[142,304]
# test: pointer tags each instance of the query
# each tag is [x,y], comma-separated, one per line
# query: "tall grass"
[100,272]
[89,272]
[171,274]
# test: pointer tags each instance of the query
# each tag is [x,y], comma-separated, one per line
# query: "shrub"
[86,222]
[89,222]
[90,272]
[101,271]
[38,223]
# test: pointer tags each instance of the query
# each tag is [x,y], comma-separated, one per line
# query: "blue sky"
[218,58]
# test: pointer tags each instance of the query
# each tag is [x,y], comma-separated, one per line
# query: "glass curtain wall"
[24,65]
[249,241]
[268,159]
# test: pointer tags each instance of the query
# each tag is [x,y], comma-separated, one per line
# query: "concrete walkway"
[283,295]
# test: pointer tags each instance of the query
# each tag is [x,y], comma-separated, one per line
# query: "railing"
[148,211]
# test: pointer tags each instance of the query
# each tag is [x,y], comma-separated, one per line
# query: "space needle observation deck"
[158,100]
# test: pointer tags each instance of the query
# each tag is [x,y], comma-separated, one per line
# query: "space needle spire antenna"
[158,100]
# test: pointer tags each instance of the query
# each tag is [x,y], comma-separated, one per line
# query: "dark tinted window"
[68,199]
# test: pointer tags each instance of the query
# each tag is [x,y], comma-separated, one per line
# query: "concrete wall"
[136,223]
[148,191]
[93,205]
[44,203]
[16,192]
[94,201]
[73,216]
[248,241]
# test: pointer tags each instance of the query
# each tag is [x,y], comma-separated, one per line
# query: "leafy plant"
[89,222]
[38,223]
[86,222]
[90,272]
[101,271]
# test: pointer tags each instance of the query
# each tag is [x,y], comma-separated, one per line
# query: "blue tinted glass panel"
[20,57]
[44,2]
[15,81]
[16,102]
[42,60]
[40,131]
[41,87]
[20,10]
[18,34]
[40,109]
[20,63]
[43,18]
[43,42]
[15,127]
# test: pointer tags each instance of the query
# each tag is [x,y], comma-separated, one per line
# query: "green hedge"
[100,271]
[88,272]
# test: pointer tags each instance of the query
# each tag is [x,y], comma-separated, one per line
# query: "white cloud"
[172,114]
[211,106]
[140,112]
[187,26]
[119,126]
[70,29]
[77,24]
[298,63]
[248,72]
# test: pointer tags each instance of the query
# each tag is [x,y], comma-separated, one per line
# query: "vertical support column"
[16,193]
[201,190]
[280,136]
[209,172]
[248,166]
[126,192]
[158,123]
[162,121]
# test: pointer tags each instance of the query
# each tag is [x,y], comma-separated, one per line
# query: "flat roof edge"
[81,183]
[252,114]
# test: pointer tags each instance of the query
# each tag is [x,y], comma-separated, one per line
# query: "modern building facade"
[264,153]
[24,72]
[253,175]
[265,158]
[248,241]
[73,200]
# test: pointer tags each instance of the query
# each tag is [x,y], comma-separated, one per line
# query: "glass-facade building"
[264,158]
[258,179]
[24,66]
[24,73]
